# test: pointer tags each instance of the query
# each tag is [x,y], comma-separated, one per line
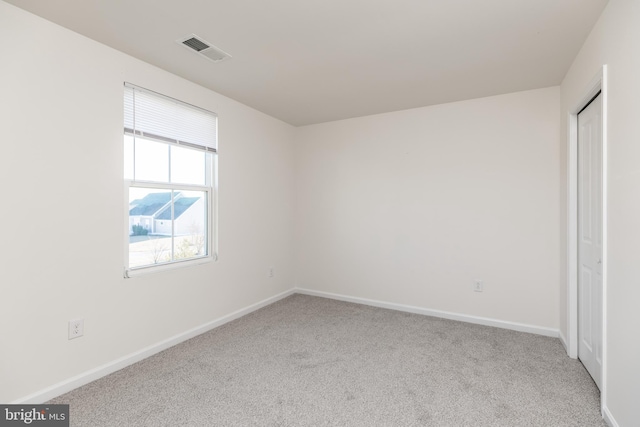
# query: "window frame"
[210,188]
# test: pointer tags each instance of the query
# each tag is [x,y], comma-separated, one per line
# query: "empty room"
[345,213]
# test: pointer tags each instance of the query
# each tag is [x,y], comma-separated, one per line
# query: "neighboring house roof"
[156,204]
[179,207]
[149,204]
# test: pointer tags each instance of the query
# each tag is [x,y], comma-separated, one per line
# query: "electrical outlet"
[271,272]
[76,328]
[478,286]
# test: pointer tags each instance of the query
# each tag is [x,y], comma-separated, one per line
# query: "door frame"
[597,84]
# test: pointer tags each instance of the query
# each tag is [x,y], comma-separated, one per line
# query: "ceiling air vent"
[204,48]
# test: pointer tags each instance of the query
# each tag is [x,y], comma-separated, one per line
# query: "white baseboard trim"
[608,418]
[108,368]
[521,327]
[563,340]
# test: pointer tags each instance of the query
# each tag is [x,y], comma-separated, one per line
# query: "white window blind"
[159,117]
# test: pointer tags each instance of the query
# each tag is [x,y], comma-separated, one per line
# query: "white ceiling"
[312,61]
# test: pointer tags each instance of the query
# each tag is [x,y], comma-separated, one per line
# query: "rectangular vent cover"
[204,48]
[196,44]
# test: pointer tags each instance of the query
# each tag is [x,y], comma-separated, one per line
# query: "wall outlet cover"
[76,328]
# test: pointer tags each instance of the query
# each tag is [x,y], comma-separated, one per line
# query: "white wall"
[614,41]
[62,161]
[410,207]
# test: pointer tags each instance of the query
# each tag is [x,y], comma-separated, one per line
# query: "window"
[170,160]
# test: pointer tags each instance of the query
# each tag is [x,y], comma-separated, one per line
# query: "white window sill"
[143,271]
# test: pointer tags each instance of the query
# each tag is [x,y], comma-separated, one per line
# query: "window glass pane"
[187,166]
[190,224]
[151,160]
[157,215]
[128,157]
[149,237]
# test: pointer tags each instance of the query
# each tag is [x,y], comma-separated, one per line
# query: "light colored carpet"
[309,361]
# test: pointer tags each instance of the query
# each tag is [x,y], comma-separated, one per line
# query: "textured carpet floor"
[308,361]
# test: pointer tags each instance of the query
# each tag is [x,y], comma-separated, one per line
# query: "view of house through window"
[166,225]
[169,171]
